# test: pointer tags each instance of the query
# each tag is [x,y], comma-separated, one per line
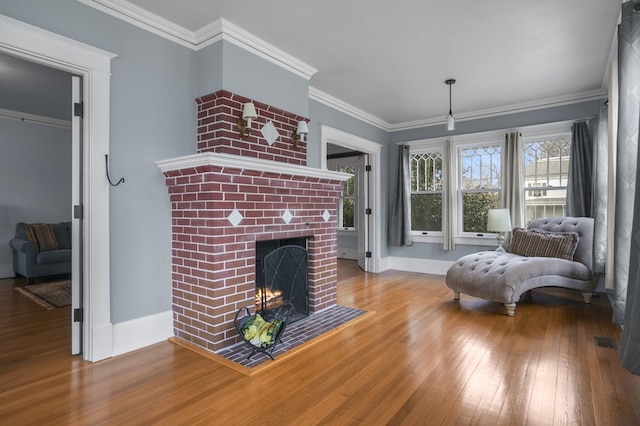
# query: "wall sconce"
[301,132]
[499,220]
[248,114]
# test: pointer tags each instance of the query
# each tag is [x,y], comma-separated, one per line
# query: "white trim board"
[425,266]
[140,332]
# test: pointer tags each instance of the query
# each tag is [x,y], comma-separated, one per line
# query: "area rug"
[297,336]
[49,295]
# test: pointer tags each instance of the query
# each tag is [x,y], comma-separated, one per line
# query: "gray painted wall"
[35,179]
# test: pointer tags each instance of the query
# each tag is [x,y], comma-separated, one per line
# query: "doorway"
[42,135]
[368,245]
[94,66]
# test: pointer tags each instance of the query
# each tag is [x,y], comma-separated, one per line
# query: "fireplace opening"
[282,277]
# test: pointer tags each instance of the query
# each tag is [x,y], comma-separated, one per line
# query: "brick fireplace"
[229,195]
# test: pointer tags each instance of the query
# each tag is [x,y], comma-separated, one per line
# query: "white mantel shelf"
[247,163]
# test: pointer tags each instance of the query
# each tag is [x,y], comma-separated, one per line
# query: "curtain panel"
[627,254]
[580,180]
[513,168]
[400,215]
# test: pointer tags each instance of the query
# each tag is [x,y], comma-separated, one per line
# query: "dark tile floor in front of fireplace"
[295,334]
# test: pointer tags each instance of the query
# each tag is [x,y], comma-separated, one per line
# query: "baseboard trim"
[425,266]
[140,332]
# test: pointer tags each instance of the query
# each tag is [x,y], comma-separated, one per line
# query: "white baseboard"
[426,266]
[140,332]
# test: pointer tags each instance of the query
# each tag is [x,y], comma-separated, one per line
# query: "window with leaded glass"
[346,206]
[546,167]
[480,171]
[427,179]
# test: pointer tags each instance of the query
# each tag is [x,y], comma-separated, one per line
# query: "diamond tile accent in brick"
[287,216]
[270,132]
[326,215]
[235,217]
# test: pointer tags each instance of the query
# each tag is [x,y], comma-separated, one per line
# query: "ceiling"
[389,59]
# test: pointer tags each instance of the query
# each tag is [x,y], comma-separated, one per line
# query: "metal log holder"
[279,313]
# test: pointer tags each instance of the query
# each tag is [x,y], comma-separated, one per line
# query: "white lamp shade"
[302,130]
[249,112]
[451,124]
[499,220]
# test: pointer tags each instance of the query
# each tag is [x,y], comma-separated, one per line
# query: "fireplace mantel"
[246,163]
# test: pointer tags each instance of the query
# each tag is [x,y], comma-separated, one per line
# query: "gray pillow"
[541,243]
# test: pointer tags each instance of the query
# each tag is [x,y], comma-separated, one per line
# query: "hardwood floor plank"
[422,358]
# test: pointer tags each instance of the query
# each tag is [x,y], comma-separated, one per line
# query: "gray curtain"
[512,192]
[580,180]
[449,197]
[628,127]
[600,132]
[400,216]
[628,113]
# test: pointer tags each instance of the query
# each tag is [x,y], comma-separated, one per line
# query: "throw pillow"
[41,234]
[541,243]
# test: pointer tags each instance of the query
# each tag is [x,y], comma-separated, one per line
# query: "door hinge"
[78,211]
[367,168]
[78,315]
[78,109]
[367,211]
[367,254]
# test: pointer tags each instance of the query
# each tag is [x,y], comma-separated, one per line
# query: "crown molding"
[34,118]
[335,103]
[220,29]
[507,109]
[144,19]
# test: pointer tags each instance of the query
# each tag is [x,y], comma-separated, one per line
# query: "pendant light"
[451,124]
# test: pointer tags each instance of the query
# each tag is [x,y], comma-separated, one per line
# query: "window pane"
[546,170]
[426,172]
[348,205]
[551,203]
[475,208]
[426,212]
[481,167]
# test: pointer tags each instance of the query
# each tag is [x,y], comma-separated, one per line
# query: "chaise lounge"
[553,252]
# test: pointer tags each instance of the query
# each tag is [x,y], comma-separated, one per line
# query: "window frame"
[474,140]
[427,146]
[338,164]
[550,133]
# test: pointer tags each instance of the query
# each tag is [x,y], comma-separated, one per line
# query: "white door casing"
[94,66]
[373,150]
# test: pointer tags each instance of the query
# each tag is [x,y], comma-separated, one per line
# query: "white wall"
[35,179]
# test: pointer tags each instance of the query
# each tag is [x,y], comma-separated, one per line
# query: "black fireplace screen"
[284,280]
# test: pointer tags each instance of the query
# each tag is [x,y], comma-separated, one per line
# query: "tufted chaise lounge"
[504,277]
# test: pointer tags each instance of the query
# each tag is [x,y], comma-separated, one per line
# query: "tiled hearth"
[296,334]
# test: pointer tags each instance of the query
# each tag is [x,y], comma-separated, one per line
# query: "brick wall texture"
[214,261]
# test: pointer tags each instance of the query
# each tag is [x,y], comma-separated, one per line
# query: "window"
[546,165]
[427,180]
[347,202]
[480,169]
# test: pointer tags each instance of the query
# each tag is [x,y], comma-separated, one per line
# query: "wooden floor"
[422,359]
